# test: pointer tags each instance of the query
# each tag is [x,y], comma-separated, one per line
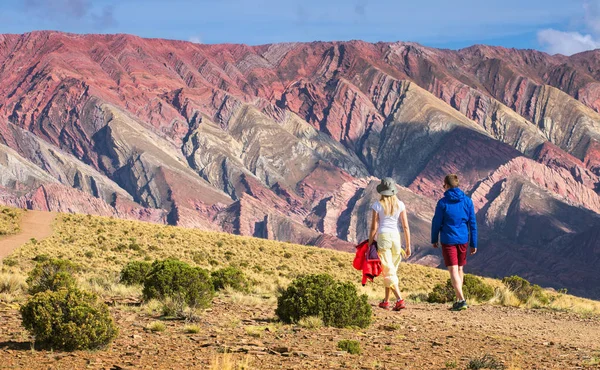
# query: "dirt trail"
[34,224]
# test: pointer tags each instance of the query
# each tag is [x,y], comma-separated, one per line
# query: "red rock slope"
[286,141]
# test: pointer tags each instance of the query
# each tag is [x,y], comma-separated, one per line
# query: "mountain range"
[287,141]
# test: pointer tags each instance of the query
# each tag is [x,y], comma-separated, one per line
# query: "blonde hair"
[389,204]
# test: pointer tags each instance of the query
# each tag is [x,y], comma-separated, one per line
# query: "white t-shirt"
[388,224]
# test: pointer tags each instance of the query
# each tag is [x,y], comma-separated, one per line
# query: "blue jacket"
[454,219]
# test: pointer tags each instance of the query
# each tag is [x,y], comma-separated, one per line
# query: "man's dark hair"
[451,181]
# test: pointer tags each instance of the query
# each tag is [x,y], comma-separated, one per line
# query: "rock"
[280,141]
[281,349]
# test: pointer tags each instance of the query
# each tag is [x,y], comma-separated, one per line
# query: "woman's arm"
[374,227]
[406,228]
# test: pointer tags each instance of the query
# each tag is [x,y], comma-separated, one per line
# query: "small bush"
[52,275]
[135,272]
[179,281]
[230,276]
[336,303]
[41,258]
[473,288]
[350,346]
[69,320]
[485,362]
[451,364]
[524,290]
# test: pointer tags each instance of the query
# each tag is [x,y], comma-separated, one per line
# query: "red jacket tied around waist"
[367,260]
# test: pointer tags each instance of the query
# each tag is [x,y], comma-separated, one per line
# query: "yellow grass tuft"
[504,297]
[12,283]
[227,361]
[191,329]
[156,326]
[311,322]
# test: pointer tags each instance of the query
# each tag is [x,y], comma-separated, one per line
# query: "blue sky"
[564,26]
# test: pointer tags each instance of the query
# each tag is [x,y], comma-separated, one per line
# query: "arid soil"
[424,336]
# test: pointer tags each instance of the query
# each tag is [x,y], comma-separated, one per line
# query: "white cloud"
[569,43]
[566,43]
[195,39]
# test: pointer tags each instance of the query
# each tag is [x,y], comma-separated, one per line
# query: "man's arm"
[473,227]
[436,224]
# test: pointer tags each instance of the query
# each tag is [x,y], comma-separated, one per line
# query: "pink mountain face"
[287,141]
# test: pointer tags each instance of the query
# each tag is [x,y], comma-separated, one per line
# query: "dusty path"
[34,224]
[423,337]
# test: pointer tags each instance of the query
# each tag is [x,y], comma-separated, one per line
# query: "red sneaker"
[385,305]
[400,305]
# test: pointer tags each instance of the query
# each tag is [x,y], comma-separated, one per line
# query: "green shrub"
[350,346]
[523,289]
[135,272]
[230,276]
[52,275]
[41,258]
[473,288]
[336,303]
[179,281]
[10,262]
[69,319]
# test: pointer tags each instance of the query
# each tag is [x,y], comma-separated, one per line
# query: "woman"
[455,225]
[384,228]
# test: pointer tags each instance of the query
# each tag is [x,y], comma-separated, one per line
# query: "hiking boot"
[399,305]
[385,305]
[459,306]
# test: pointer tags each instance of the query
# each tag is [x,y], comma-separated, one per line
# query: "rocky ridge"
[286,141]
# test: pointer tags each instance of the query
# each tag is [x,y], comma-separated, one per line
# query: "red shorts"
[455,254]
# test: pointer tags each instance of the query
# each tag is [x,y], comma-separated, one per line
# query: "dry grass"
[504,297]
[311,322]
[228,361]
[9,220]
[247,300]
[564,302]
[101,246]
[108,287]
[12,283]
[156,326]
[191,329]
[12,287]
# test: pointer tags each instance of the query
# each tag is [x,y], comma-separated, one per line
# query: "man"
[455,225]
